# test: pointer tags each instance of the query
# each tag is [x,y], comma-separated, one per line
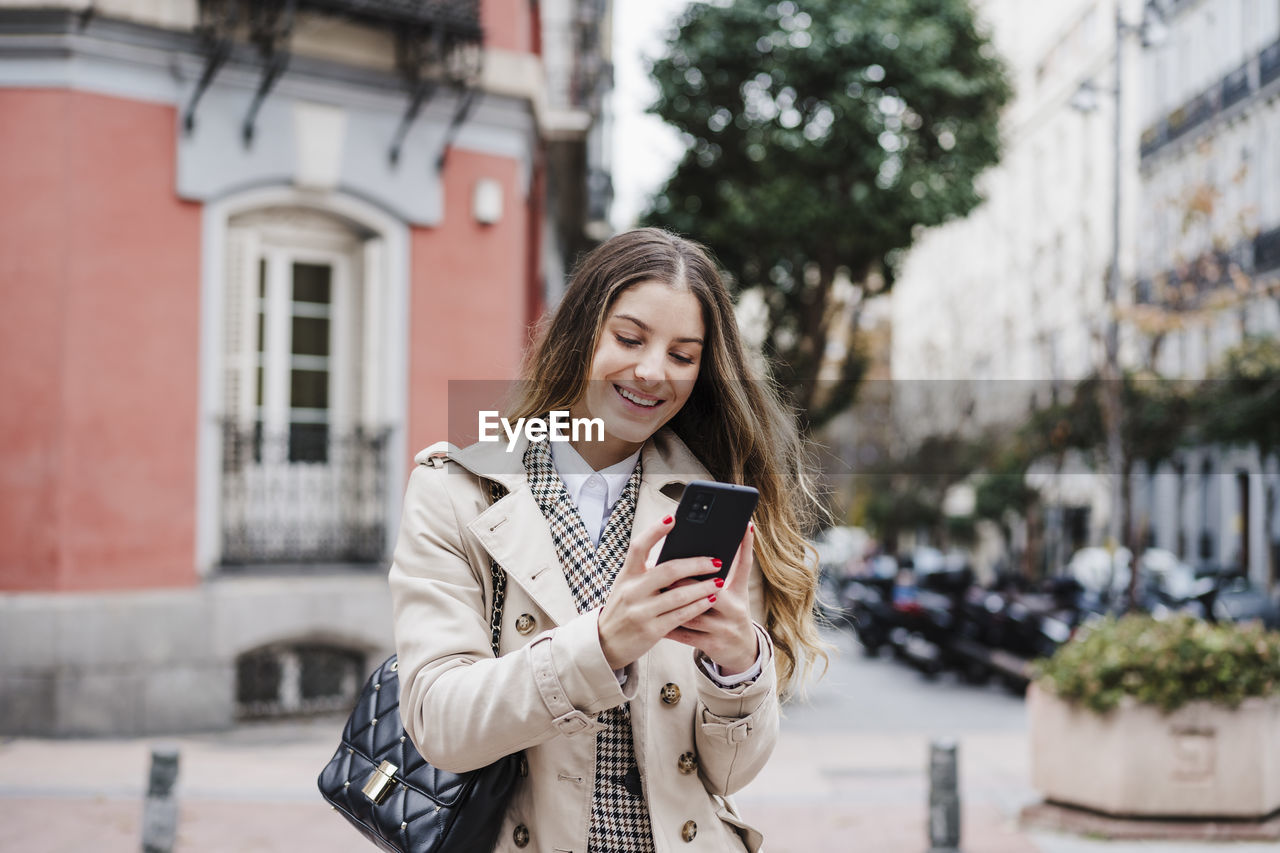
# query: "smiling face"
[644,368]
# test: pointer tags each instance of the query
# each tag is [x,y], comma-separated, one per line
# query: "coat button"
[688,763]
[525,623]
[670,693]
[689,831]
[521,836]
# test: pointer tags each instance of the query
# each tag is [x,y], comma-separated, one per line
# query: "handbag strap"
[496,492]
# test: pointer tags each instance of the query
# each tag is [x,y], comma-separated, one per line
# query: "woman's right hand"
[647,602]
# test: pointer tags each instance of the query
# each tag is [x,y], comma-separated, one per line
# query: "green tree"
[1241,399]
[1240,405]
[906,493]
[1158,417]
[1001,490]
[821,135]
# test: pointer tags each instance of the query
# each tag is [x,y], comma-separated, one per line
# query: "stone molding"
[163,661]
[53,49]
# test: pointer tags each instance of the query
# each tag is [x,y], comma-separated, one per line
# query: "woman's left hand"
[725,633]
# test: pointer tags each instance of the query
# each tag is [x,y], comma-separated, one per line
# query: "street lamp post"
[1152,32]
[1112,401]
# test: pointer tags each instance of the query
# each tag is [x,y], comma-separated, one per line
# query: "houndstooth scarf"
[619,814]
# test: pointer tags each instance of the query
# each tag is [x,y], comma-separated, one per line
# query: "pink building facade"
[242,262]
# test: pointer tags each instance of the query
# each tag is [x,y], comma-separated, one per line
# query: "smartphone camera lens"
[700,508]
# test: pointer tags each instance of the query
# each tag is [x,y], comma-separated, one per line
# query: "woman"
[640,695]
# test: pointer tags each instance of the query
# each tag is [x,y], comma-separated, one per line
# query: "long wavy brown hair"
[734,420]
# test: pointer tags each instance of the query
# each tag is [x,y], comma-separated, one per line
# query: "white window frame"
[281,248]
[385,359]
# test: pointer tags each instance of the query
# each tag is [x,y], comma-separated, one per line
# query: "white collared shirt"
[594,493]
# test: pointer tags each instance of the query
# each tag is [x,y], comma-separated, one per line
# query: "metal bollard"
[160,811]
[944,798]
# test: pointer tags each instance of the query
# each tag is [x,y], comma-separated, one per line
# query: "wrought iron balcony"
[1269,63]
[1235,86]
[1190,114]
[1153,138]
[1227,92]
[304,496]
[438,42]
[461,17]
[1188,285]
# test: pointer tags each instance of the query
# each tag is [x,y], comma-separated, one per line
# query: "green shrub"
[1163,663]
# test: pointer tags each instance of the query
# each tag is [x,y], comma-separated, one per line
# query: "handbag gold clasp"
[380,783]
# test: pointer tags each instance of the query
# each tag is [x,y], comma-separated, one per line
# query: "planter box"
[1200,761]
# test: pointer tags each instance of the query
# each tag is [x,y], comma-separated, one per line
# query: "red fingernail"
[719,582]
[752,526]
[711,598]
[666,520]
[716,562]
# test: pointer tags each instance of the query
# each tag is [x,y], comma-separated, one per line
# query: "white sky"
[645,150]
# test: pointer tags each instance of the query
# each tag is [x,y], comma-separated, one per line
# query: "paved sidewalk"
[248,790]
[253,789]
[870,793]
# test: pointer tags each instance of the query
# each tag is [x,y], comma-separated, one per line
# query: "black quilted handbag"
[389,792]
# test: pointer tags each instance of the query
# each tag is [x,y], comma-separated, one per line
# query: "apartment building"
[246,247]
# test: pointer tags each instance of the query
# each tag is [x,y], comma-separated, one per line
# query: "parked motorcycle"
[1235,599]
[933,617]
[1216,595]
[866,603]
[1008,625]
[926,620]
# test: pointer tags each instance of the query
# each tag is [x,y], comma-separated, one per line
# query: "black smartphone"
[710,522]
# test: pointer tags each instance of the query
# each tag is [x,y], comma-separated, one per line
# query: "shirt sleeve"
[712,669]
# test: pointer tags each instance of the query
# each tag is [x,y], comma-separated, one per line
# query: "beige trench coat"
[696,743]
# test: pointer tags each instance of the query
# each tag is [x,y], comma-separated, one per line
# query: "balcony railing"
[303,496]
[1154,137]
[1191,114]
[1269,64]
[1226,93]
[1191,284]
[1235,86]
[459,17]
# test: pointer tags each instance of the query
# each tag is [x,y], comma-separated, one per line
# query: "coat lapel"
[513,531]
[515,534]
[668,466]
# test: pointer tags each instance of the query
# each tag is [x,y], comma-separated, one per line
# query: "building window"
[1207,550]
[304,466]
